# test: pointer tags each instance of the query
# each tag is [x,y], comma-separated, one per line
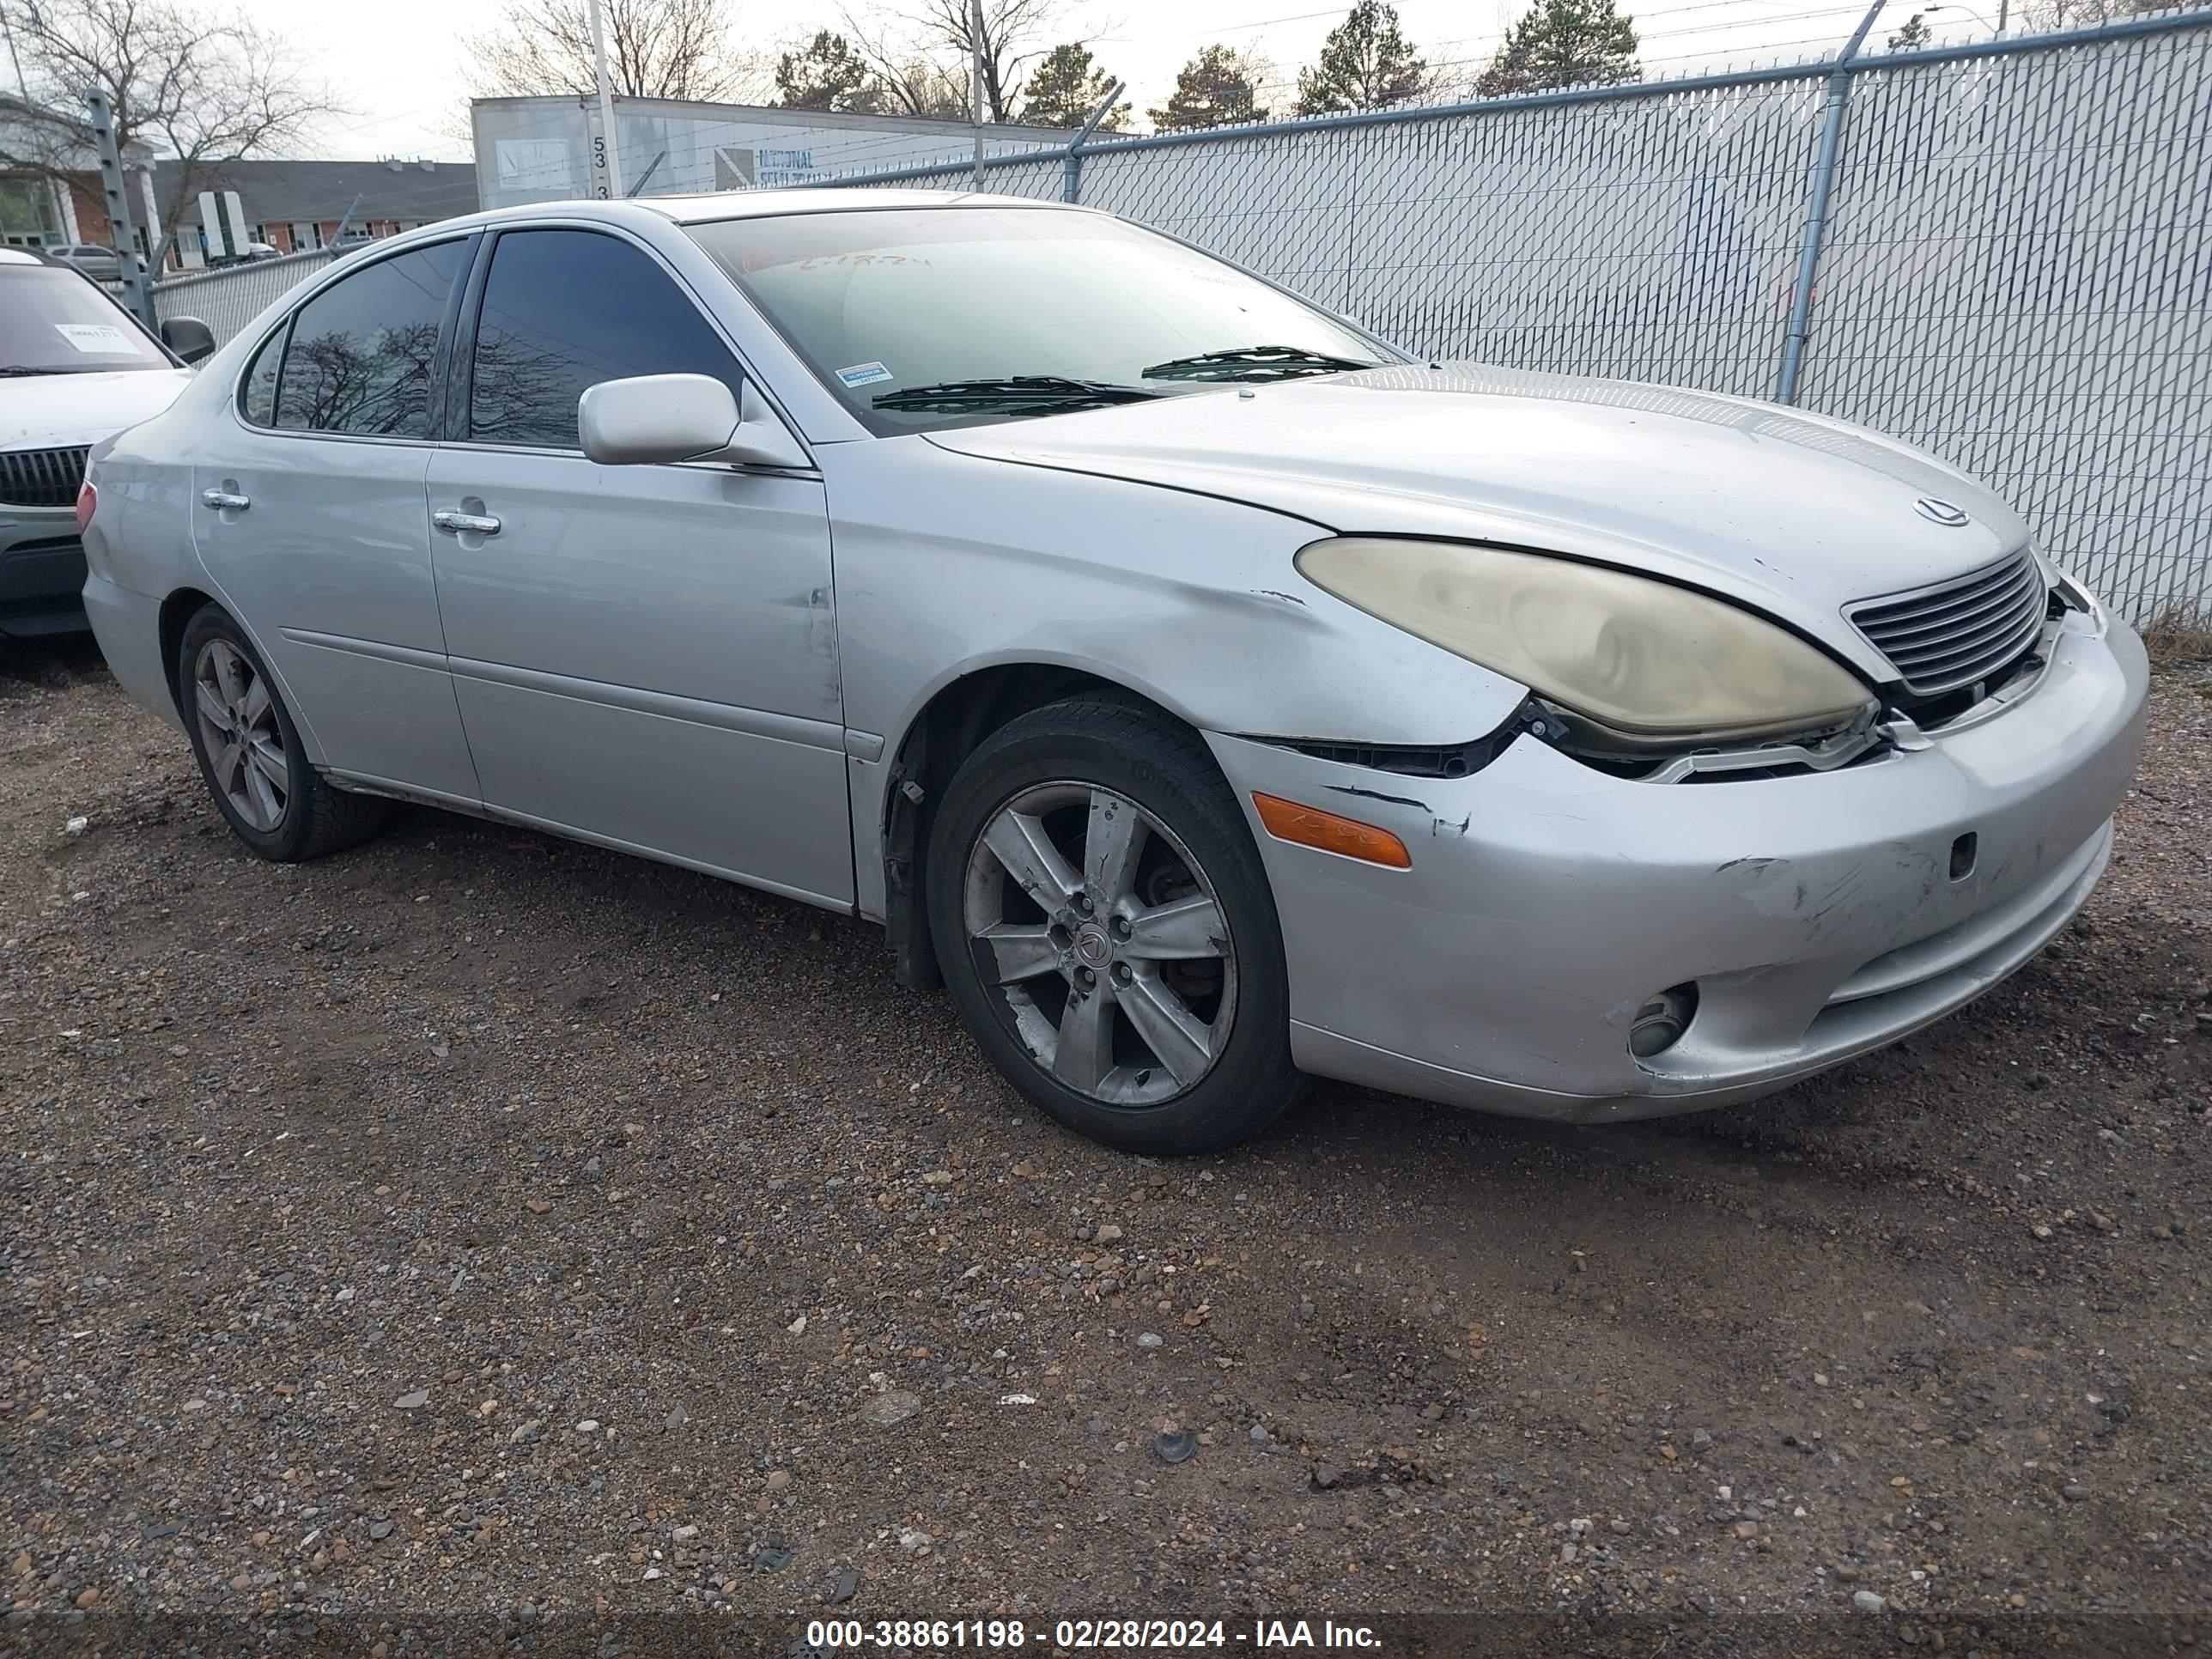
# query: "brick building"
[295,206]
[38,210]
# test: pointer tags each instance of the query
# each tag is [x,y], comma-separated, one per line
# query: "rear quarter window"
[257,392]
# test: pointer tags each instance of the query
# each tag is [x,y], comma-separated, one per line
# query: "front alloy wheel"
[1100,934]
[1104,925]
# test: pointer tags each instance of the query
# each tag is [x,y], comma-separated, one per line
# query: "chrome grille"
[1952,634]
[41,478]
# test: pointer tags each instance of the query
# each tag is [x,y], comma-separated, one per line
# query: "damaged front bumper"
[1817,916]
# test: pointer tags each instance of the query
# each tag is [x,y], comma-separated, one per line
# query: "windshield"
[54,322]
[920,318]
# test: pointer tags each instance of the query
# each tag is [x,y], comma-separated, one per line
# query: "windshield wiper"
[1026,394]
[10,370]
[1260,363]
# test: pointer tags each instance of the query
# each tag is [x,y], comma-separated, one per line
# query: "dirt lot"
[476,1220]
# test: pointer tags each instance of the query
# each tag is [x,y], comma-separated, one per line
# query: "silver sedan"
[1207,692]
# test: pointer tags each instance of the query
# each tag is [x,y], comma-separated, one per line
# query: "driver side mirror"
[682,417]
[189,338]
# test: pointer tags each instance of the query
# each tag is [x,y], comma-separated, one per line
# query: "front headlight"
[1650,663]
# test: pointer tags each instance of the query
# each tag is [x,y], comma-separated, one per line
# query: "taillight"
[86,499]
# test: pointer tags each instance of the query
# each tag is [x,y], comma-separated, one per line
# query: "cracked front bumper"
[1817,915]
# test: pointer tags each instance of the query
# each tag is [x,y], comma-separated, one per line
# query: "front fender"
[948,564]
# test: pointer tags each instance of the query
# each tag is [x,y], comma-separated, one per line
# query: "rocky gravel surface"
[482,1224]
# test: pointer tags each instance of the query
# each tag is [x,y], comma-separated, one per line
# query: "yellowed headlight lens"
[1644,658]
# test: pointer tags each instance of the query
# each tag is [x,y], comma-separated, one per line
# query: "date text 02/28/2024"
[951,1635]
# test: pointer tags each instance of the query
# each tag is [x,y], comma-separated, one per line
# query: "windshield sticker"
[865,374]
[97,338]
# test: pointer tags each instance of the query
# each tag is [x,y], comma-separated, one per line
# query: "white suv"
[74,368]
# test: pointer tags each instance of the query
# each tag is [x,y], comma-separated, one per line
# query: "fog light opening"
[1660,1023]
[1962,855]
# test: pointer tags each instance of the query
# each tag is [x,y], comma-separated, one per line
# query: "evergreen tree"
[828,75]
[1563,43]
[1915,35]
[1219,86]
[1366,62]
[1066,88]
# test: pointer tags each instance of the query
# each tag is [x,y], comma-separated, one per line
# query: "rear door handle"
[455,524]
[224,500]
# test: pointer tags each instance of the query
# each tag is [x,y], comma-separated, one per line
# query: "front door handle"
[457,523]
[226,501]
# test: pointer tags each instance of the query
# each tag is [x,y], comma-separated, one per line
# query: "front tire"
[249,751]
[1102,921]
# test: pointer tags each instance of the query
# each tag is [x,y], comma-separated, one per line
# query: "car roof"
[761,203]
[725,204]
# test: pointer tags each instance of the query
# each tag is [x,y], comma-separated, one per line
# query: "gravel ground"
[477,1220]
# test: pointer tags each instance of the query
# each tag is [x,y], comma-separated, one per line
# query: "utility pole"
[610,153]
[976,39]
[122,225]
[9,35]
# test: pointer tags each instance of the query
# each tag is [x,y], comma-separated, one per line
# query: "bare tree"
[199,89]
[932,56]
[903,76]
[655,49]
[914,85]
[2085,14]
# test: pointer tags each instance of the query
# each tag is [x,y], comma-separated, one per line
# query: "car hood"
[60,411]
[1793,514]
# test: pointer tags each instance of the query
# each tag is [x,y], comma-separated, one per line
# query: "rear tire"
[1102,921]
[249,751]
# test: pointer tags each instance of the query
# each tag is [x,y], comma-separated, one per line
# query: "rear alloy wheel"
[249,751]
[1102,920]
[248,765]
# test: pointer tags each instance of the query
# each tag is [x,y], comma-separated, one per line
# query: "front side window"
[363,354]
[928,317]
[54,322]
[564,310]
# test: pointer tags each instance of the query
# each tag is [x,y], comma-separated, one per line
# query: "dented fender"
[950,564]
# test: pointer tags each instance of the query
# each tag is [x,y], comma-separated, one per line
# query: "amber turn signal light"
[1309,826]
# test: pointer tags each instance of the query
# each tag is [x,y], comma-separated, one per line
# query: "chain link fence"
[2016,269]
[228,299]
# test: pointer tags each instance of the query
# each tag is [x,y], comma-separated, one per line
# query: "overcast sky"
[397,64]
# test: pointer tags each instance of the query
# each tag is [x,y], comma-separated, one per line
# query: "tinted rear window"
[363,353]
